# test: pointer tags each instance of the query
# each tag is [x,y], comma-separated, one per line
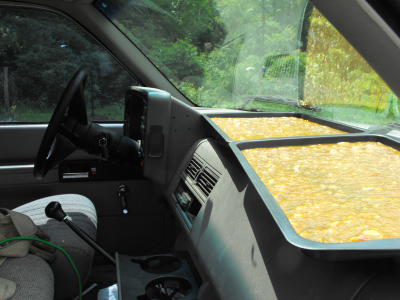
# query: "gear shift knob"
[54,210]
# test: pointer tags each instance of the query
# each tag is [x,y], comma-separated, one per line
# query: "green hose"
[55,246]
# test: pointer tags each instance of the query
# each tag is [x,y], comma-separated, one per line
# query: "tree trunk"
[6,98]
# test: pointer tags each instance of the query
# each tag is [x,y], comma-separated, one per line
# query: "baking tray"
[323,251]
[226,140]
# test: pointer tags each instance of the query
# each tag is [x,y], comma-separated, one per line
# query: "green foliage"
[176,59]
[189,90]
[218,78]
[43,50]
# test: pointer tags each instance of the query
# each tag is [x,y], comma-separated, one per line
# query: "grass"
[26,115]
[111,112]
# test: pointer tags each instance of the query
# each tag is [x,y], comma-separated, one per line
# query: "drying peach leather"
[240,129]
[334,193]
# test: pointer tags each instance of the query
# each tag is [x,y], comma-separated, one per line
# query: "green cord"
[55,246]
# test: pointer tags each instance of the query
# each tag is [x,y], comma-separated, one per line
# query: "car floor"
[102,275]
[93,293]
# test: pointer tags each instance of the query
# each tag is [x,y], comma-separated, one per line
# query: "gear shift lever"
[54,210]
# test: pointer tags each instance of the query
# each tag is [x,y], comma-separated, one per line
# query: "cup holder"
[159,264]
[170,287]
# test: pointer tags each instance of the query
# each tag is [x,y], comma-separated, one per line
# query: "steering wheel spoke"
[63,148]
[66,132]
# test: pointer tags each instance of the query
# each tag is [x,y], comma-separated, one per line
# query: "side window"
[340,81]
[39,53]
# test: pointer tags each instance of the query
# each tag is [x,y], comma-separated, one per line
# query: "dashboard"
[232,237]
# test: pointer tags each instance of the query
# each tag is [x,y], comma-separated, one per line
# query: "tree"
[44,50]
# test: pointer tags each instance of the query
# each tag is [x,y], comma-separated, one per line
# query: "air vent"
[193,168]
[206,182]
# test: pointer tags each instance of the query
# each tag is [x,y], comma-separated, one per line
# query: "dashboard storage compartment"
[329,125]
[187,203]
[94,170]
[162,276]
[368,249]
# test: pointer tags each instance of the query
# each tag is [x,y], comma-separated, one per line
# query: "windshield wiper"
[278,100]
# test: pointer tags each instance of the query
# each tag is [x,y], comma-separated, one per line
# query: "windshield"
[259,55]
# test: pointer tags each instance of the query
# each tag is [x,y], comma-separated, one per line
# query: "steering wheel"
[59,140]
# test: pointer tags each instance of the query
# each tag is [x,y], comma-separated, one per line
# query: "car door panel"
[21,142]
[147,228]
[21,175]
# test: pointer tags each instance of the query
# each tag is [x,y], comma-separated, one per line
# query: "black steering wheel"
[59,140]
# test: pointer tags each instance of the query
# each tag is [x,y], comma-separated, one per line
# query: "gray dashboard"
[230,233]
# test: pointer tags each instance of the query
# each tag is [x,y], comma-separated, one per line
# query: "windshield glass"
[260,55]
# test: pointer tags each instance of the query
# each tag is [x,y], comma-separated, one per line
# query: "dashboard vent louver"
[193,168]
[206,182]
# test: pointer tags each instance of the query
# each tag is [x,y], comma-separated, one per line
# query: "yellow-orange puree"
[334,193]
[239,129]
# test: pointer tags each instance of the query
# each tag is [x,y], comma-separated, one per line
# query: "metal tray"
[226,140]
[323,251]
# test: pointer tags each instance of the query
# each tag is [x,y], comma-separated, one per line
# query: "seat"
[33,276]
[82,211]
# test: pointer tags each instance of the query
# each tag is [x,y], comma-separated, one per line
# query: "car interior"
[164,192]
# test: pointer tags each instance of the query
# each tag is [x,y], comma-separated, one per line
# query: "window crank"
[123,194]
